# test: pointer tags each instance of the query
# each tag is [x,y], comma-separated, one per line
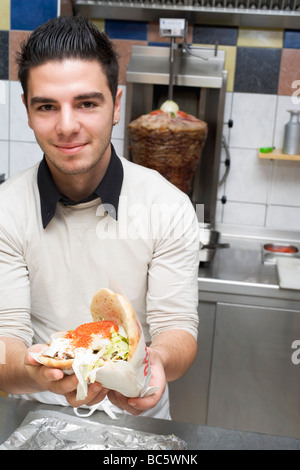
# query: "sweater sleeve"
[172,297]
[14,291]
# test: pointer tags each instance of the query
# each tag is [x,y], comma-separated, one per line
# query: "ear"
[117,108]
[25,104]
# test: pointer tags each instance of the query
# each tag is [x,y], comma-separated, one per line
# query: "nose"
[67,122]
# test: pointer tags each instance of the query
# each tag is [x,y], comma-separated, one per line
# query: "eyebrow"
[87,96]
[84,96]
[41,99]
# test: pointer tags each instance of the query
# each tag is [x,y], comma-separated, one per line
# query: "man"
[84,219]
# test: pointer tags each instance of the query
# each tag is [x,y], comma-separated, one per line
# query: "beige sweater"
[48,276]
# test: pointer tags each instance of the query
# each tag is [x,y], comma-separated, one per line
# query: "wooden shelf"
[278,155]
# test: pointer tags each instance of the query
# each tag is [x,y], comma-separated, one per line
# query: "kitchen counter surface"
[240,269]
[197,437]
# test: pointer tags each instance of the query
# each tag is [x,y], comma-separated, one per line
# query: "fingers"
[42,375]
[146,403]
[57,382]
[134,406]
[96,393]
[122,402]
[51,375]
[33,349]
[47,373]
[67,386]
[64,385]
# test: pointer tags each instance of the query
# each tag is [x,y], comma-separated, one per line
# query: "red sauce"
[182,114]
[82,336]
[281,248]
[156,111]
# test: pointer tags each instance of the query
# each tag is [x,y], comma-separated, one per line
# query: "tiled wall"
[262,67]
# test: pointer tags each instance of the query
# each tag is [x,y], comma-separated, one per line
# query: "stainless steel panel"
[248,232]
[212,103]
[189,394]
[254,384]
[201,69]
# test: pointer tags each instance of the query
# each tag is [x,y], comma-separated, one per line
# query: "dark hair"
[67,37]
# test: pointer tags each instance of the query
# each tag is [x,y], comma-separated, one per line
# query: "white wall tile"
[23,155]
[254,119]
[4,157]
[3,91]
[119,146]
[4,109]
[249,177]
[283,217]
[239,213]
[219,212]
[285,189]
[19,129]
[119,130]
[118,134]
[282,117]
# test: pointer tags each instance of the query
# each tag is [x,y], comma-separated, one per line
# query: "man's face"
[71,111]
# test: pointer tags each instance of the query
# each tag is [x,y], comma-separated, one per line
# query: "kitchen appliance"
[168,140]
[209,240]
[199,86]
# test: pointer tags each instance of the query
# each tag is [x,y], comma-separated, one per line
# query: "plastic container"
[291,143]
[266,149]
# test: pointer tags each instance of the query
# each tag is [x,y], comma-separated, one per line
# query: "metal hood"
[255,13]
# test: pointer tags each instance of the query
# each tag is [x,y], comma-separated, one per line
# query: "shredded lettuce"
[118,348]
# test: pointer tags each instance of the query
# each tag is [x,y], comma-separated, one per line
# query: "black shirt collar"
[108,190]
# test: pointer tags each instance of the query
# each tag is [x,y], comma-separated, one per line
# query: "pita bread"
[106,305]
[65,364]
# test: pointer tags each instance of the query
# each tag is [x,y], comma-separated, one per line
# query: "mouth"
[70,149]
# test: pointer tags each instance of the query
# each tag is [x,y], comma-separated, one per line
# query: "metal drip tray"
[272,251]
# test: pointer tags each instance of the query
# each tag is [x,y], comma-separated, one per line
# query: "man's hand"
[136,406]
[54,380]
[171,354]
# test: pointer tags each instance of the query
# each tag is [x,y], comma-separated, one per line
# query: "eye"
[87,105]
[46,107]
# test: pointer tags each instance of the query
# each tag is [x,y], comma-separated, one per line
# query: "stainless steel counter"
[240,263]
[239,270]
[197,437]
[248,325]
